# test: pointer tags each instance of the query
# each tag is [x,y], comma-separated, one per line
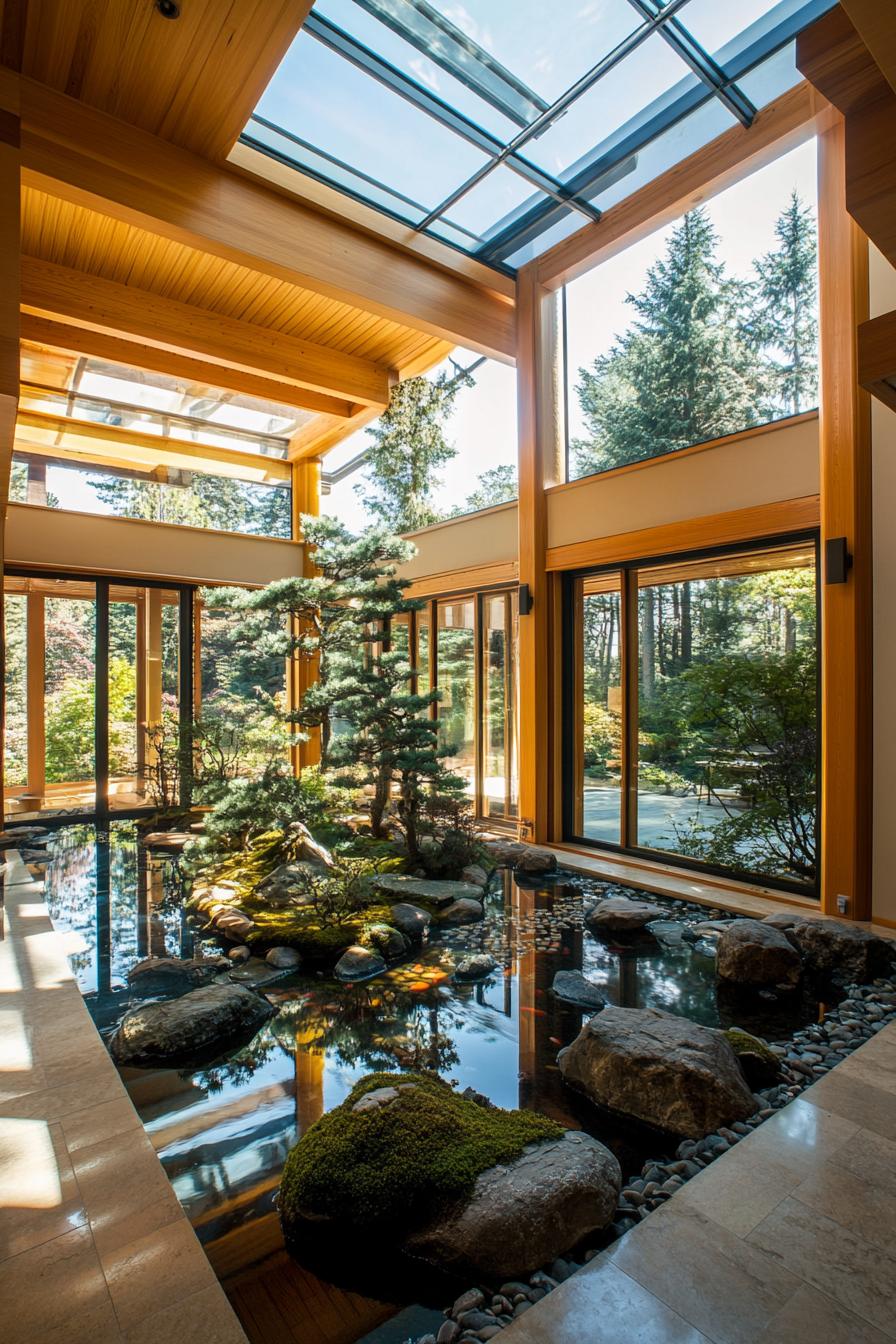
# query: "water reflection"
[223,1132]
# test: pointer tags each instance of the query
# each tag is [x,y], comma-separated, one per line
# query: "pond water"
[223,1132]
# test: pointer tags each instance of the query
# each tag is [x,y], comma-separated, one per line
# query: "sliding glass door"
[692,710]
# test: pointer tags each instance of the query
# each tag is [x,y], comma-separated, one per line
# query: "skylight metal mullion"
[535,128]
[337,40]
[701,63]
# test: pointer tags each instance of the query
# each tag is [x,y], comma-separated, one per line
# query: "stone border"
[94,1244]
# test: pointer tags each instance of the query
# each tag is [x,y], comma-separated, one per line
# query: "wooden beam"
[873,21]
[72,337]
[783,124]
[89,437]
[88,300]
[78,154]
[877,357]
[845,445]
[302,672]
[540,466]
[832,56]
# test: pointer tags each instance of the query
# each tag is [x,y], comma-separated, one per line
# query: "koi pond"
[223,1132]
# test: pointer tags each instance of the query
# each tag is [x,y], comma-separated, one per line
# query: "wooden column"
[140,706]
[35,691]
[10,211]
[846,640]
[151,642]
[540,465]
[300,672]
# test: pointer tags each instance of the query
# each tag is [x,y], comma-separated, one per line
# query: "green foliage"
[201,501]
[784,318]
[408,447]
[249,808]
[602,740]
[394,1166]
[69,725]
[498,485]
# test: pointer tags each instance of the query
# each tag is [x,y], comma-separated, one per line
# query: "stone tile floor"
[94,1245]
[790,1237]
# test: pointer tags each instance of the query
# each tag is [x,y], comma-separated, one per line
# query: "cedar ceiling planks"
[74,236]
[193,80]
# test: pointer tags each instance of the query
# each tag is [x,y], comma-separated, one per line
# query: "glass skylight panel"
[773,77]
[500,194]
[614,101]
[717,26]
[339,109]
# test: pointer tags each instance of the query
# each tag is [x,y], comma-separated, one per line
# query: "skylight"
[501,128]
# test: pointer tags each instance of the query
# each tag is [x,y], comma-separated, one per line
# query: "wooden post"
[301,672]
[540,465]
[35,691]
[140,706]
[845,445]
[10,213]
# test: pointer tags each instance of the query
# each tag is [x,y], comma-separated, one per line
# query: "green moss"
[396,1165]
[301,927]
[760,1065]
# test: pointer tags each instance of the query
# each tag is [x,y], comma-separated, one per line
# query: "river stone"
[359,963]
[618,914]
[239,954]
[464,911]
[437,893]
[525,1213]
[389,942]
[199,1025]
[573,987]
[411,920]
[283,958]
[533,860]
[663,1070]
[475,967]
[840,952]
[234,924]
[475,875]
[505,853]
[752,953]
[170,975]
[173,841]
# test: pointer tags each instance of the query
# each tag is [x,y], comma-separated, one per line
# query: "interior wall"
[883,467]
[475,541]
[777,464]
[96,544]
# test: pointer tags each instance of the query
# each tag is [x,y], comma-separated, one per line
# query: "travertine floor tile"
[39,1196]
[852,1200]
[205,1318]
[169,1260]
[739,1192]
[836,1261]
[98,1124]
[122,1193]
[56,1294]
[726,1288]
[866,1106]
[872,1156]
[812,1318]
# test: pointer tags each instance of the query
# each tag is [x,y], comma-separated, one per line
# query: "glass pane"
[487,207]
[15,761]
[456,667]
[727,768]
[367,125]
[69,686]
[598,706]
[158,696]
[498,716]
[723,30]
[126,606]
[423,647]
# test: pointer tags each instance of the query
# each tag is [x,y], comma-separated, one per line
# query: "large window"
[705,328]
[692,710]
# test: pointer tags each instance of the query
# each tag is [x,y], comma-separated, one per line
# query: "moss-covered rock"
[392,1166]
[759,1064]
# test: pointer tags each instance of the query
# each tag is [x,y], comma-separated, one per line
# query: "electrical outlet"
[842,904]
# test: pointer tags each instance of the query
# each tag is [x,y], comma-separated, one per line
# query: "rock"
[475,967]
[435,893]
[171,975]
[371,1101]
[283,958]
[239,954]
[523,1214]
[389,942]
[233,924]
[759,1063]
[411,920]
[618,914]
[471,1300]
[752,953]
[464,911]
[198,1026]
[506,853]
[307,848]
[533,860]
[173,841]
[359,963]
[573,987]
[475,875]
[663,1070]
[842,953]
[448,1332]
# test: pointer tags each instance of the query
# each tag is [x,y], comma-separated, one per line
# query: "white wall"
[883,467]
[96,544]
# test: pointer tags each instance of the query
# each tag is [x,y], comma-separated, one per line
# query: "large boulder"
[505,853]
[663,1070]
[754,954]
[359,963]
[573,987]
[463,911]
[476,966]
[619,914]
[842,953]
[523,1214]
[171,975]
[197,1027]
[411,920]
[389,942]
[438,894]
[534,861]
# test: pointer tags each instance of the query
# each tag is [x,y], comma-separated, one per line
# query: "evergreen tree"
[684,371]
[498,485]
[785,311]
[409,446]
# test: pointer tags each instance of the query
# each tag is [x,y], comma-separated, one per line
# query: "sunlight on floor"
[29,1177]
